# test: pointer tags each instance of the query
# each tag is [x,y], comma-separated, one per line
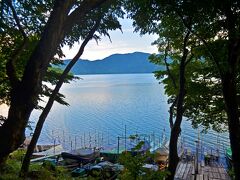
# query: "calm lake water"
[101,106]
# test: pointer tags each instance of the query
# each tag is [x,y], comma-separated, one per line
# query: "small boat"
[107,170]
[80,156]
[47,152]
[229,157]
[140,148]
[111,153]
[161,156]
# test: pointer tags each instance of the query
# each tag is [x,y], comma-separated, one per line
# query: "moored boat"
[229,157]
[48,151]
[81,156]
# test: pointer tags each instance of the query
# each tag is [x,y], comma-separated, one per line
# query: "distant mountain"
[136,62]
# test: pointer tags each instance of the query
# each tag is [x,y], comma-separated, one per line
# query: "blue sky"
[125,42]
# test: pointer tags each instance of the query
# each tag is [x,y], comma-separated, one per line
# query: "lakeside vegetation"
[198,44]
[36,171]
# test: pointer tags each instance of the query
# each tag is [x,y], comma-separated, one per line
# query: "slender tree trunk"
[176,130]
[46,110]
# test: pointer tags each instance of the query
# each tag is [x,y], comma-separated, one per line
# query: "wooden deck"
[186,171]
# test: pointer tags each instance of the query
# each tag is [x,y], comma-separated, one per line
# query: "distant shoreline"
[115,73]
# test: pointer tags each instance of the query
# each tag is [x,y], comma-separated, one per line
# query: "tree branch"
[167,67]
[47,108]
[85,7]
[11,70]
[171,112]
[201,39]
[189,59]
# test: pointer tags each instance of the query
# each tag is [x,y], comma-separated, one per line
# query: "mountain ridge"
[136,62]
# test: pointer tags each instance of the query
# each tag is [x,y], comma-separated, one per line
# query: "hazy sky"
[125,42]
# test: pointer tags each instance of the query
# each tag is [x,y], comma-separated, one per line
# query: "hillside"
[136,62]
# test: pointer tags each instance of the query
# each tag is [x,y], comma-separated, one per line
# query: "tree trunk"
[229,86]
[24,95]
[46,110]
[176,130]
[230,97]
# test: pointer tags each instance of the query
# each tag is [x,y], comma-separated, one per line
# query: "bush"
[36,170]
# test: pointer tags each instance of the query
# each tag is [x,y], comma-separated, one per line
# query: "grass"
[36,170]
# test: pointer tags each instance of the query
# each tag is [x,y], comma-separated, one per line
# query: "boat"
[161,157]
[80,156]
[107,170]
[47,151]
[140,148]
[111,154]
[229,157]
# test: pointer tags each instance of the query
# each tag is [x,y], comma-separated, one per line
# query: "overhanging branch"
[11,70]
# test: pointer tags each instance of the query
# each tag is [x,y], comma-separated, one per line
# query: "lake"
[102,107]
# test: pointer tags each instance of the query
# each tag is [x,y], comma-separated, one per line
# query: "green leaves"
[209,23]
[134,166]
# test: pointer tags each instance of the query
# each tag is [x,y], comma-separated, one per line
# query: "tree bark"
[230,97]
[229,88]
[24,95]
[176,130]
[46,110]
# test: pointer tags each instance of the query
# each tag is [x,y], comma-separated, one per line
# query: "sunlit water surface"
[102,107]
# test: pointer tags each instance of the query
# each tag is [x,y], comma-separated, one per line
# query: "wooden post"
[102,141]
[54,144]
[90,140]
[84,140]
[63,138]
[75,142]
[118,145]
[108,137]
[125,137]
[98,141]
[81,141]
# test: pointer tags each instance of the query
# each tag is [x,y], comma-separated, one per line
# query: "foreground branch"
[46,110]
[11,70]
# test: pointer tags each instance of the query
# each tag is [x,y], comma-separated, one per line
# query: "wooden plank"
[200,177]
[215,169]
[205,177]
[192,177]
[193,168]
[183,169]
[210,174]
[199,168]
[179,167]
[222,176]
[187,171]
[216,175]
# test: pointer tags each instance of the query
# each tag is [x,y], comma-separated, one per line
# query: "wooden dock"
[186,171]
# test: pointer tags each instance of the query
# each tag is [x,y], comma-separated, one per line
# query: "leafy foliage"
[32,17]
[37,171]
[133,166]
[204,104]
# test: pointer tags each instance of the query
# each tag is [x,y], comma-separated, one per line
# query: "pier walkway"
[187,171]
